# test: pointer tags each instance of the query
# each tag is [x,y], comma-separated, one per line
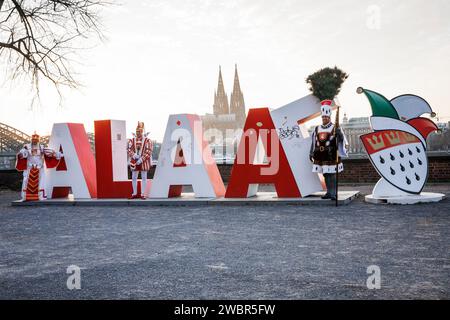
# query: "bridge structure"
[11,140]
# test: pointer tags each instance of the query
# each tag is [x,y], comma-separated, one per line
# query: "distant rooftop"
[359,120]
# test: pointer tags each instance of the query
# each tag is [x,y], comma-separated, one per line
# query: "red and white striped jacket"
[145,153]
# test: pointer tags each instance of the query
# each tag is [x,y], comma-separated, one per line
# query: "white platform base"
[424,197]
[188,199]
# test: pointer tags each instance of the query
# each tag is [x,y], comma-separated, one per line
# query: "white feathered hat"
[325,109]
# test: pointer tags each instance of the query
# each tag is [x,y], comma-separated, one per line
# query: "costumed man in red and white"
[323,149]
[31,159]
[140,149]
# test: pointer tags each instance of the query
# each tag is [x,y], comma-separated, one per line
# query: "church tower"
[220,98]
[237,104]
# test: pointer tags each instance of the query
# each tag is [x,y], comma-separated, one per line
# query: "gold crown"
[393,137]
[377,142]
[409,137]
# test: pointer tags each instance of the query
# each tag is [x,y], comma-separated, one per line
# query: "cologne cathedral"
[227,114]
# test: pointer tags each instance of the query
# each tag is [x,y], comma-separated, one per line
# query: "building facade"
[353,129]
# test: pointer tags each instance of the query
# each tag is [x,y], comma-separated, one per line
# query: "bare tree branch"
[38,38]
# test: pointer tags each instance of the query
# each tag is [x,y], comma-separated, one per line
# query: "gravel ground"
[237,252]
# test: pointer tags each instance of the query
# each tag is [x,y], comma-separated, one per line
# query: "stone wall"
[10,179]
[362,171]
[355,171]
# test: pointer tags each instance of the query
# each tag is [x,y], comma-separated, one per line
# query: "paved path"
[226,252]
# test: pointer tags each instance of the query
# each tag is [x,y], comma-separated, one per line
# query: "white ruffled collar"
[329,124]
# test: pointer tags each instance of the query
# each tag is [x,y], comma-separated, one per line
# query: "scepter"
[336,127]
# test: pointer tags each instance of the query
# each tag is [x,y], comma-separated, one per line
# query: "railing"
[11,139]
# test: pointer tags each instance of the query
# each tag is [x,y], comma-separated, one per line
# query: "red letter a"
[245,175]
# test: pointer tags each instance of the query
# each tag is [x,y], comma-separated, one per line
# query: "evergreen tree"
[326,83]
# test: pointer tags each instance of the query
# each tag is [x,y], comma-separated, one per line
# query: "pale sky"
[162,57]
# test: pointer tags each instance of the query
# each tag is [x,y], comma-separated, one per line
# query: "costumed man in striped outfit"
[323,150]
[31,159]
[139,150]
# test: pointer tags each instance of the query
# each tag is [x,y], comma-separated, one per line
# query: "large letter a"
[259,130]
[185,159]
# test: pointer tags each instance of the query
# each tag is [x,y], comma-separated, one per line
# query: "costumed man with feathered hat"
[139,149]
[31,159]
[329,143]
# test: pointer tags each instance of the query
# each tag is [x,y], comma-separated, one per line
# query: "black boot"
[327,184]
[332,186]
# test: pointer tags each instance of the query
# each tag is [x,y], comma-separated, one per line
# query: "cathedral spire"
[236,85]
[220,99]
[237,104]
[220,82]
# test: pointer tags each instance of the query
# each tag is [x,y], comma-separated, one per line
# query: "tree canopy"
[326,83]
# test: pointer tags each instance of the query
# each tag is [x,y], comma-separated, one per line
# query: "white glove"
[24,153]
[59,155]
[139,161]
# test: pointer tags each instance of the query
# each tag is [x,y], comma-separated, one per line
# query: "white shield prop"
[399,157]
